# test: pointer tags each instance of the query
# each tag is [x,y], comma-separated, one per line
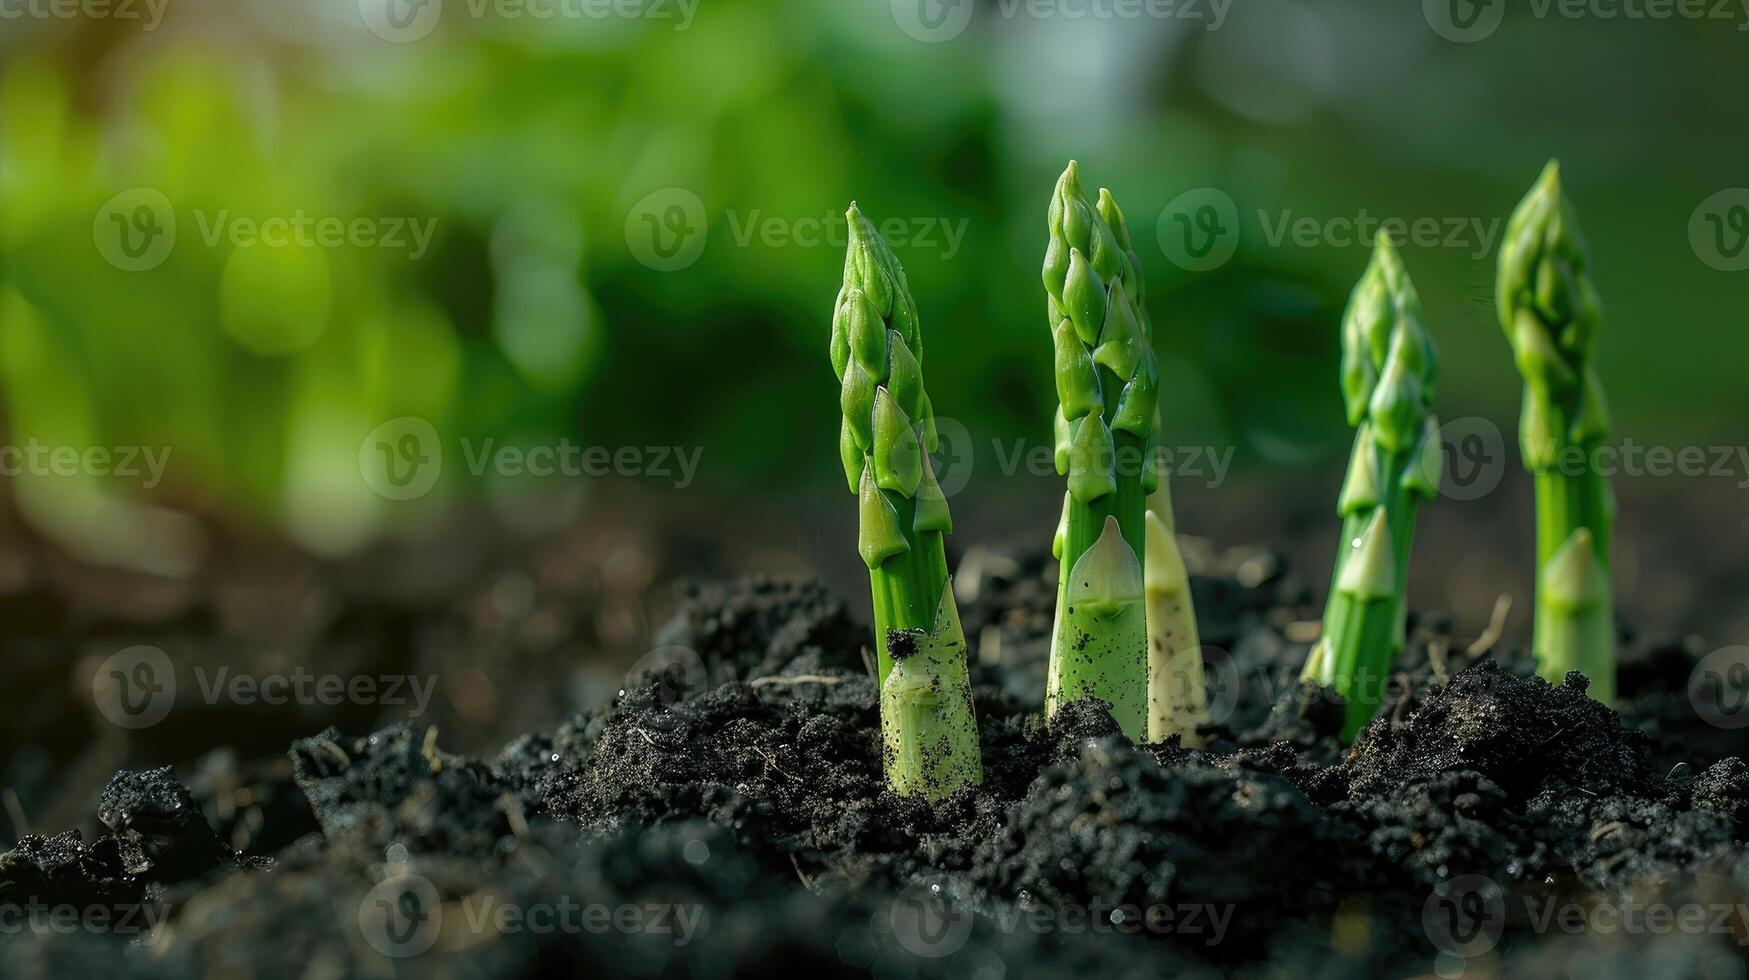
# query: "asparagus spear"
[1388,375]
[929,734]
[1106,387]
[1550,311]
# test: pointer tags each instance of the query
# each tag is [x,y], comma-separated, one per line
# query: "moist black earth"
[725,815]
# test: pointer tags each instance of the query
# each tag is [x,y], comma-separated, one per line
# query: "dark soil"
[724,815]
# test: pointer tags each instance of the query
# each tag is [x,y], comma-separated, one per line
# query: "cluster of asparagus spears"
[1125,629]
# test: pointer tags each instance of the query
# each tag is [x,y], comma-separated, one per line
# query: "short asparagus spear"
[929,733]
[1177,688]
[1106,382]
[1550,312]
[1388,375]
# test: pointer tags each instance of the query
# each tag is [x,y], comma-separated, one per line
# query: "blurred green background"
[623,213]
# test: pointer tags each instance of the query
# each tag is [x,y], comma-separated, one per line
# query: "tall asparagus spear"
[929,733]
[1388,375]
[1107,382]
[1550,312]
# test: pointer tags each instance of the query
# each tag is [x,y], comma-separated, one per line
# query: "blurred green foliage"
[527,144]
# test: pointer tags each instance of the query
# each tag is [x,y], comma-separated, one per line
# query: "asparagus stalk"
[1107,383]
[1388,375]
[929,734]
[1550,311]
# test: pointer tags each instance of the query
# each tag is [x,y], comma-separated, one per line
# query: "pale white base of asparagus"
[1177,687]
[929,730]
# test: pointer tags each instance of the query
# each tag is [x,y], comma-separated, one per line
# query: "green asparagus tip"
[1550,181]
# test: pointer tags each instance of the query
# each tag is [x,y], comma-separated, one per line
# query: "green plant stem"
[1364,626]
[906,588]
[1107,382]
[929,732]
[1550,313]
[1388,376]
[1575,612]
